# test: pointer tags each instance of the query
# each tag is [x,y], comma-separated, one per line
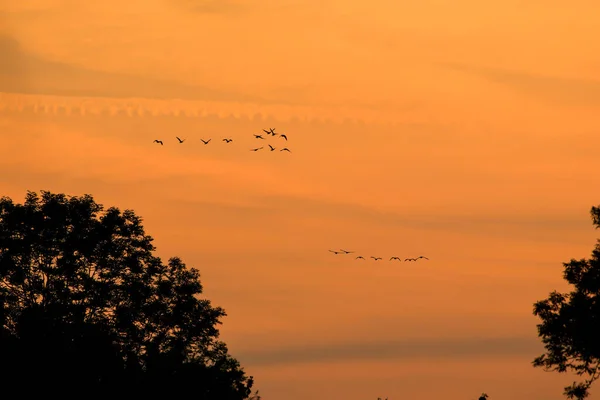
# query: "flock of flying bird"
[377,258]
[270,132]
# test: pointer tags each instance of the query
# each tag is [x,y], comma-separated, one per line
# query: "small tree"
[570,328]
[84,301]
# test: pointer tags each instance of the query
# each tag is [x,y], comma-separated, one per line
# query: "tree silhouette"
[570,328]
[84,304]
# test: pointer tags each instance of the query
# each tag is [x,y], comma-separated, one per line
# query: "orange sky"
[462,130]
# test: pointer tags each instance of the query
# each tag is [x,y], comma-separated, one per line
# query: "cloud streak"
[24,73]
[456,222]
[221,7]
[394,350]
[21,72]
[557,89]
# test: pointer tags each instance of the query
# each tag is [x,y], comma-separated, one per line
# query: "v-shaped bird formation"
[375,258]
[269,133]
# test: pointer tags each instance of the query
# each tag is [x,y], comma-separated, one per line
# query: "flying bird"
[346,251]
[285,149]
[283,136]
[228,140]
[422,257]
[258,137]
[335,252]
[395,258]
[270,131]
[158,141]
[205,141]
[180,140]
[376,258]
[257,149]
[272,148]
[361,257]
[410,259]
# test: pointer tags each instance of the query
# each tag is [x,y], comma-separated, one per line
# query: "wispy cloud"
[21,72]
[457,222]
[277,208]
[36,8]
[394,350]
[25,73]
[549,88]
[227,7]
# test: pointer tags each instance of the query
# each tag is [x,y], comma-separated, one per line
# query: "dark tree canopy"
[85,305]
[570,328]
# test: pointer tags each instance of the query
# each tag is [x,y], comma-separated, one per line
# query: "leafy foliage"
[570,328]
[84,301]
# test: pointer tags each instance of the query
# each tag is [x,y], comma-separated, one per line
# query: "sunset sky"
[467,131]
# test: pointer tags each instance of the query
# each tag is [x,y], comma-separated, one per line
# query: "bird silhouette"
[257,149]
[180,140]
[285,149]
[270,132]
[158,141]
[283,136]
[335,252]
[395,258]
[205,141]
[346,251]
[423,257]
[228,140]
[410,259]
[272,148]
[376,258]
[361,257]
[258,137]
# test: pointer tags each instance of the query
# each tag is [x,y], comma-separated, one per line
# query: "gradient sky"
[466,131]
